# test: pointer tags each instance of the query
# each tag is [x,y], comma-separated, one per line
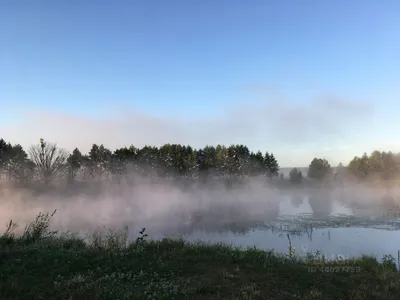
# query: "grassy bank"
[42,264]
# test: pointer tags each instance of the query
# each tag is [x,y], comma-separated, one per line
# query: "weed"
[142,235]
[111,240]
[292,249]
[39,229]
[388,261]
[65,266]
[8,236]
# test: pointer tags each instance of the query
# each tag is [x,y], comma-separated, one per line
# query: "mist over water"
[336,221]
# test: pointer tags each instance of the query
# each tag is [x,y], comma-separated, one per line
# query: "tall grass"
[45,264]
[37,230]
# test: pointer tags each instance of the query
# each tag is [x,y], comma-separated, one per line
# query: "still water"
[330,227]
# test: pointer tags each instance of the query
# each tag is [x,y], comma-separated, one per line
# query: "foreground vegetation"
[41,264]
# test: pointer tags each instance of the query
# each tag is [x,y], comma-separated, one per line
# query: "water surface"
[332,227]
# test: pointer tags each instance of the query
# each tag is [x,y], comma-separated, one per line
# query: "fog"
[166,207]
[145,203]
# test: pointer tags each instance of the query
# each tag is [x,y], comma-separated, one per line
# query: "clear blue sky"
[189,57]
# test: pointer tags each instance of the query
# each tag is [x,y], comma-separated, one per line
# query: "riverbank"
[48,265]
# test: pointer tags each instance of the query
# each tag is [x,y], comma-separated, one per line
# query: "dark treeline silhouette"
[47,163]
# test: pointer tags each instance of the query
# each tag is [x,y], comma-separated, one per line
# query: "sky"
[301,79]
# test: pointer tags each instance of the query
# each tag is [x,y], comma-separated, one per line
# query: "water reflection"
[375,205]
[321,203]
[296,200]
[346,236]
[319,211]
[319,230]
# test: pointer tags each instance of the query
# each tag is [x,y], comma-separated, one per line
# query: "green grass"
[42,264]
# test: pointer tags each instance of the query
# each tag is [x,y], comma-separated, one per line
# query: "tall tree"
[256,163]
[74,164]
[271,165]
[319,169]
[15,164]
[125,159]
[5,152]
[100,159]
[390,167]
[49,160]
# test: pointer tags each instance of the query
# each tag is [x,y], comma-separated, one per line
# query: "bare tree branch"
[49,160]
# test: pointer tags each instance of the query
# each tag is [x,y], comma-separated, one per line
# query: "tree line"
[47,162]
[379,165]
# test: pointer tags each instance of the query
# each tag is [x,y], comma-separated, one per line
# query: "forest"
[47,163]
